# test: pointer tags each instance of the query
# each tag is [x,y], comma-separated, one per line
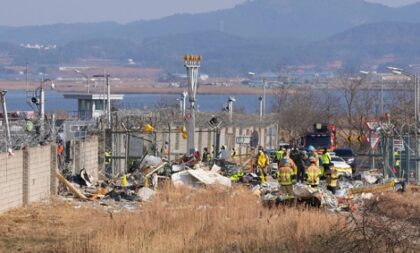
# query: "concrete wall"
[85,156]
[11,180]
[27,176]
[38,176]
[205,138]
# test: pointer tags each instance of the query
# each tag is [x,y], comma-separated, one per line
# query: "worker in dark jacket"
[299,158]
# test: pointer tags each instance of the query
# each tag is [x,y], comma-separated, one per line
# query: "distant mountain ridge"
[258,35]
[303,19]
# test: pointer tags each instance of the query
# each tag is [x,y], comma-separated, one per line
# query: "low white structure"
[92,106]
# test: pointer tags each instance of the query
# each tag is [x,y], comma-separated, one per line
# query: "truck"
[322,136]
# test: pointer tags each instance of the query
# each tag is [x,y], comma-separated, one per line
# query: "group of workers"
[223,154]
[299,166]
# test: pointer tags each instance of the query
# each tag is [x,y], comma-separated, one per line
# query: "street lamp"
[260,98]
[108,96]
[5,117]
[39,100]
[415,77]
[231,100]
[86,77]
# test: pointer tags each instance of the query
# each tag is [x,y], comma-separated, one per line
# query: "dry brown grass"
[207,220]
[390,222]
[400,206]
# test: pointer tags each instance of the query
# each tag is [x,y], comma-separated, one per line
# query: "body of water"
[16,101]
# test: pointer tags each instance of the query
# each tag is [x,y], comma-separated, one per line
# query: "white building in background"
[92,106]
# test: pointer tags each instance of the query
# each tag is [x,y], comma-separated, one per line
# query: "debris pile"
[142,183]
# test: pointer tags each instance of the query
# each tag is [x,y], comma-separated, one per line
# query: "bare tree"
[401,104]
[298,109]
[360,104]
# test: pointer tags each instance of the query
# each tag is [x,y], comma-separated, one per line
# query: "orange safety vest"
[60,149]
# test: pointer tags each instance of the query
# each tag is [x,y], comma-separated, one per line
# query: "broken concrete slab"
[304,191]
[192,178]
[215,168]
[210,178]
[184,178]
[146,194]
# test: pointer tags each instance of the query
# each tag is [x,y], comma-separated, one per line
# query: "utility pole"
[264,96]
[382,96]
[108,96]
[231,100]
[261,108]
[184,103]
[42,105]
[86,77]
[5,118]
[416,77]
[26,75]
[192,64]
[169,143]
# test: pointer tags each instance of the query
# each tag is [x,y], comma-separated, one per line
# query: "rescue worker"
[108,155]
[237,176]
[262,162]
[233,153]
[332,179]
[197,155]
[60,150]
[397,163]
[313,173]
[312,152]
[326,160]
[299,158]
[224,154]
[279,154]
[206,156]
[165,150]
[286,153]
[292,164]
[286,177]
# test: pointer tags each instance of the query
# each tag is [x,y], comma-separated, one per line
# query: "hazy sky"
[35,12]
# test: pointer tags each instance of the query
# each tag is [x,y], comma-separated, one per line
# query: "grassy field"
[207,220]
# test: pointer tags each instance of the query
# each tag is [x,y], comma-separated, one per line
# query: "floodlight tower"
[192,64]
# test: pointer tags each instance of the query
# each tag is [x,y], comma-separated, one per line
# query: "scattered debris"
[69,186]
[142,183]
